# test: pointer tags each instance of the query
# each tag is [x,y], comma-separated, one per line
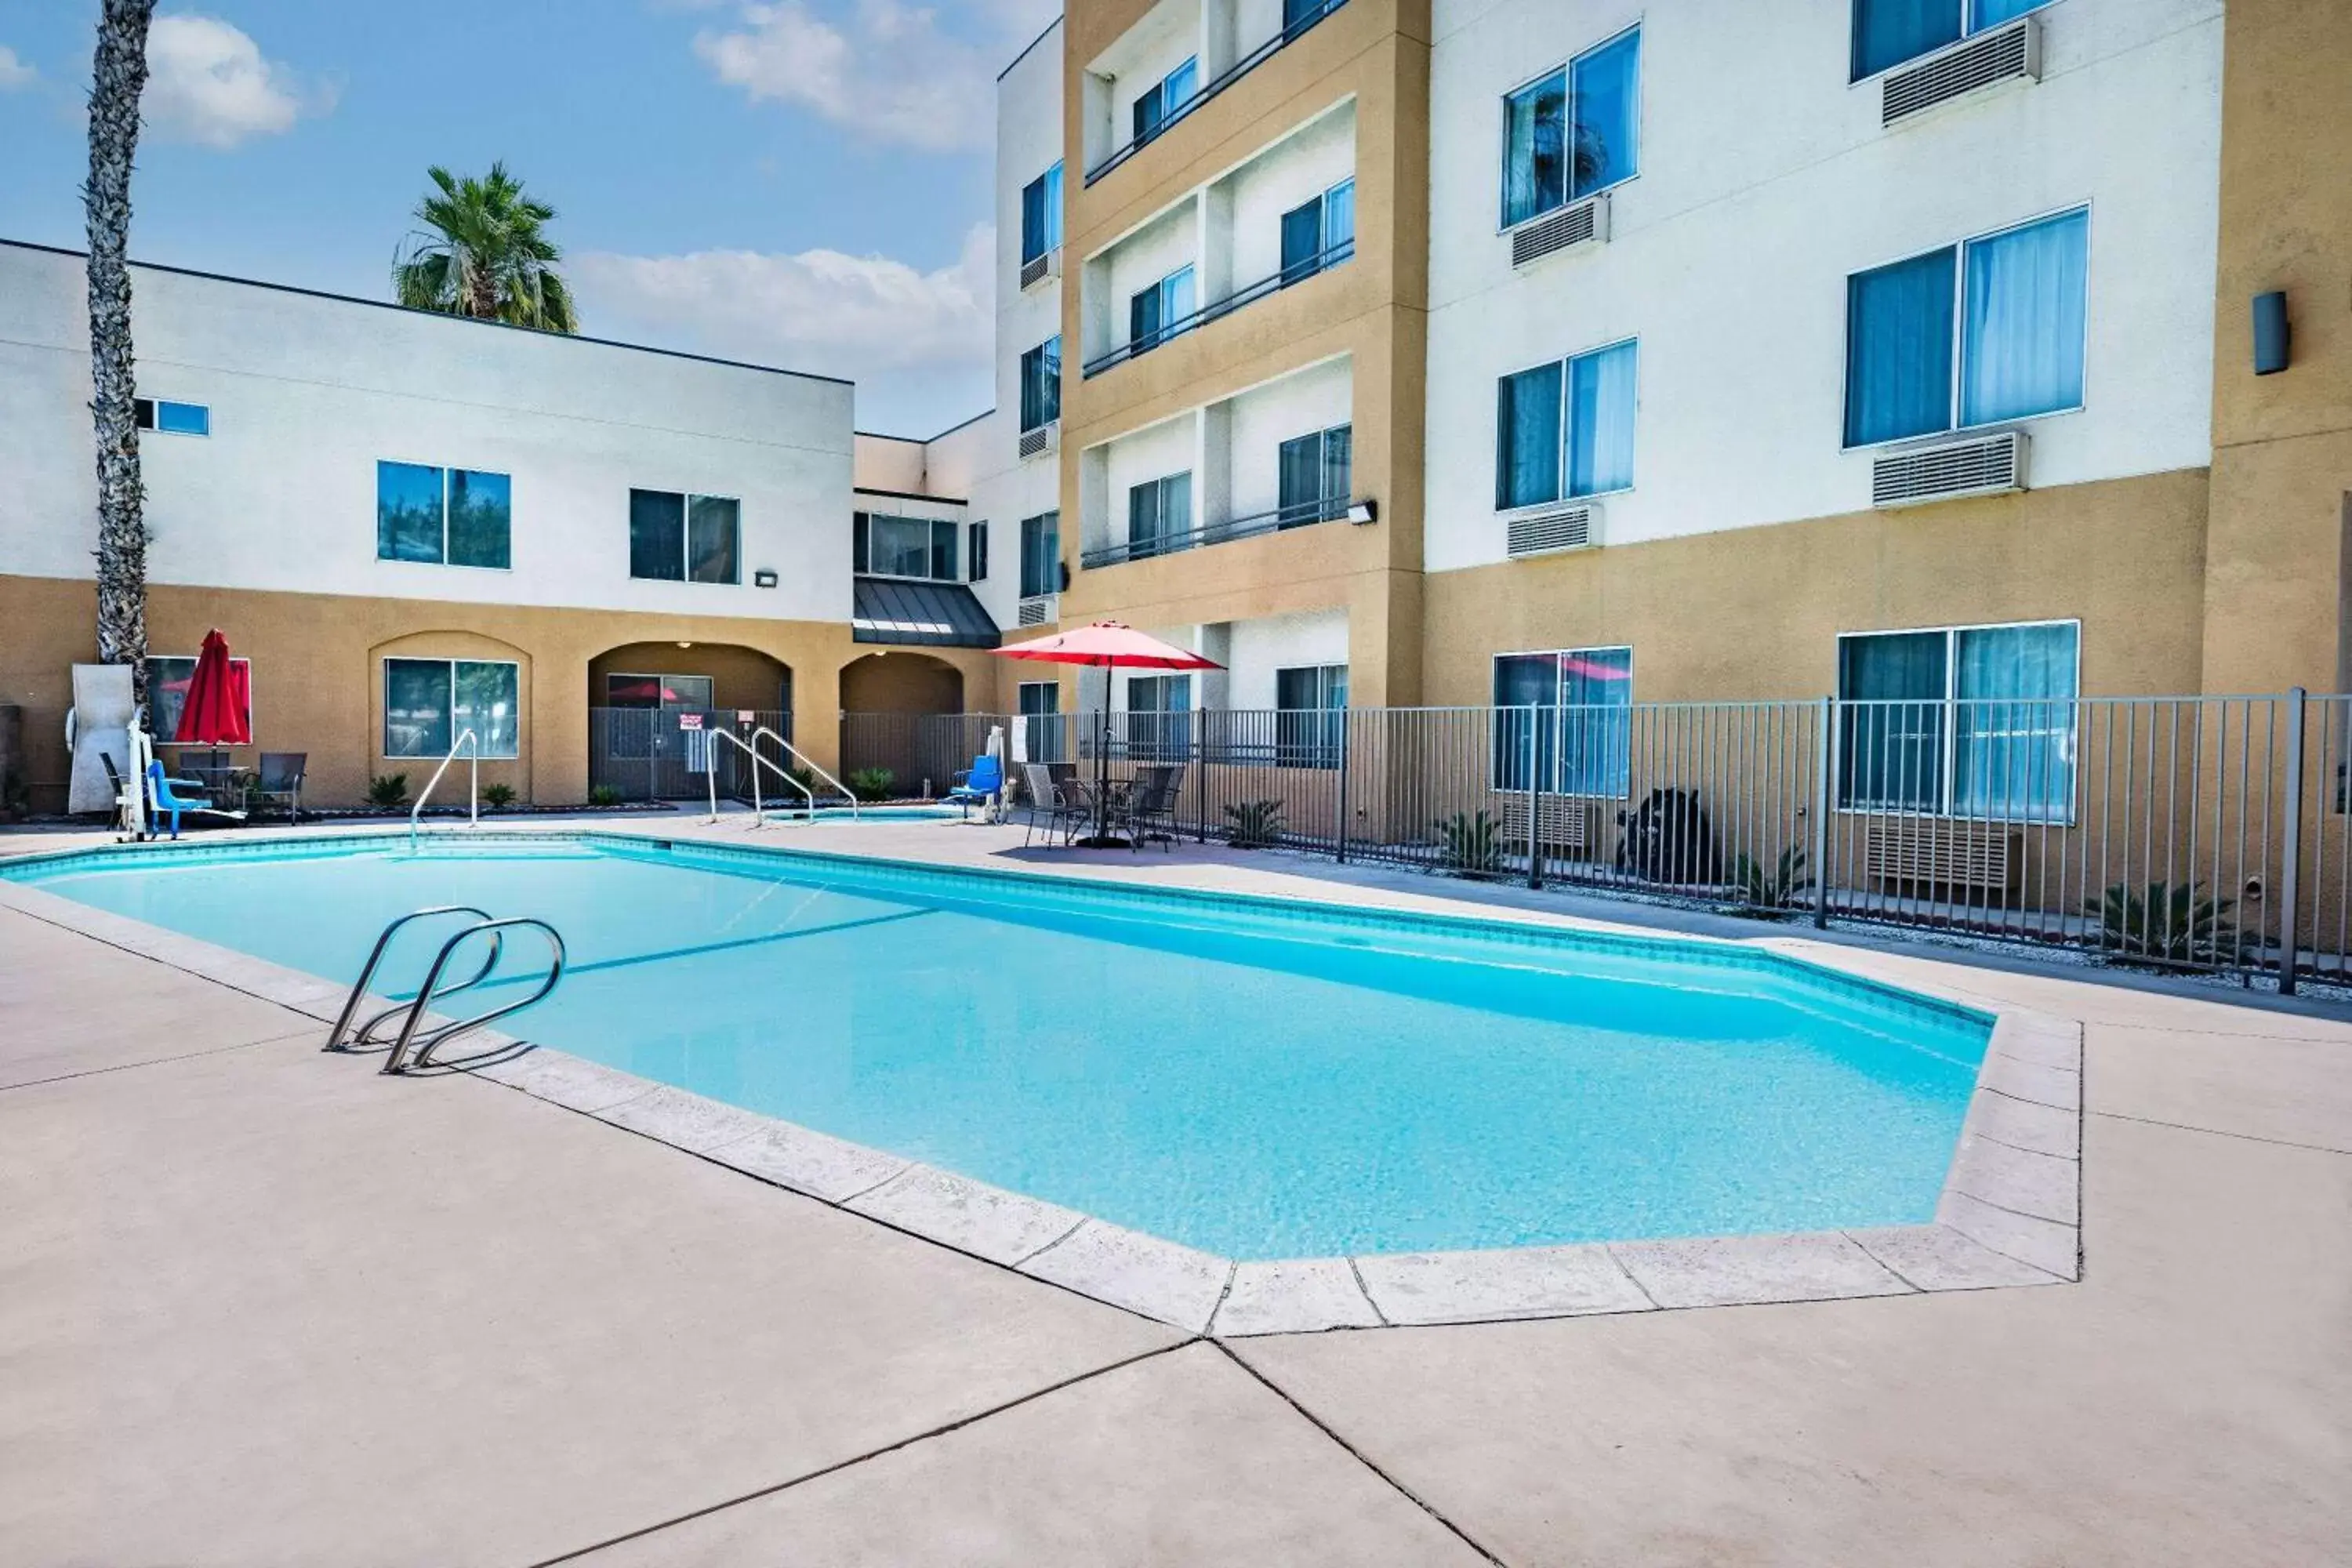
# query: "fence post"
[1343,786]
[2291,872]
[1201,770]
[1534,828]
[1824,725]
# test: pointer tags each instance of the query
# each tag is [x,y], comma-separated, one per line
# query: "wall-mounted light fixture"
[686,644]
[763,578]
[1364,511]
[2271,336]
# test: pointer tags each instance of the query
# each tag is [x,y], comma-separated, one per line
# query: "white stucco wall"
[1319,155]
[1138,61]
[308,393]
[1263,417]
[1258,649]
[1154,452]
[1764,180]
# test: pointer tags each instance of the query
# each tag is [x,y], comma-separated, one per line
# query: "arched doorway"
[902,712]
[652,707]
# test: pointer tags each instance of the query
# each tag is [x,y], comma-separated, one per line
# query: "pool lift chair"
[980,785]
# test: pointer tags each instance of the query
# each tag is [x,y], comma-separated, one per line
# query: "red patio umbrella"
[1107,645]
[219,707]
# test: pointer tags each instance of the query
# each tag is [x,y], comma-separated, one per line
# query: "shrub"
[1774,890]
[871,783]
[499,797]
[2167,921]
[388,790]
[1472,844]
[603,794]
[1256,824]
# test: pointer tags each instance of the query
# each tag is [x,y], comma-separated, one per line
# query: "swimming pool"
[1253,1077]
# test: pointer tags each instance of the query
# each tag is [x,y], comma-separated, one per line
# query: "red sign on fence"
[689,721]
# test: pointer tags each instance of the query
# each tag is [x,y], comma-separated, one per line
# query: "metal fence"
[668,753]
[2197,833]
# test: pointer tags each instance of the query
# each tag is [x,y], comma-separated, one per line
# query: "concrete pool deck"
[258,1305]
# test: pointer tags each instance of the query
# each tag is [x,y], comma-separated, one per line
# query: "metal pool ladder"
[759,801]
[471,745]
[413,1046]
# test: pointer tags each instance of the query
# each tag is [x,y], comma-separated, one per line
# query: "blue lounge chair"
[163,799]
[980,783]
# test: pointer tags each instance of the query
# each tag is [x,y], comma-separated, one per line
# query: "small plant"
[499,797]
[604,795]
[1774,890]
[803,776]
[1256,824]
[1472,844]
[871,783]
[389,791]
[2167,921]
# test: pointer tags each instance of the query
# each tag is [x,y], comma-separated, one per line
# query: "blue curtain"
[1176,297]
[1523,681]
[1339,219]
[1535,176]
[1898,350]
[1888,32]
[1891,728]
[1596,721]
[2023,341]
[1605,93]
[1601,421]
[2013,734]
[1527,437]
[1302,241]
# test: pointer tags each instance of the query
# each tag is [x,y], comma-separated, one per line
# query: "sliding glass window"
[1565,721]
[1888,32]
[1041,555]
[428,703]
[1041,384]
[1313,475]
[1158,515]
[1041,214]
[1975,721]
[1573,132]
[454,517]
[681,537]
[1565,430]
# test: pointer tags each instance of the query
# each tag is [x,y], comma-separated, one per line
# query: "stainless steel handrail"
[802,757]
[474,785]
[402,1058]
[335,1040]
[759,801]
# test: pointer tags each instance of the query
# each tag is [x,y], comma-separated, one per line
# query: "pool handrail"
[801,757]
[400,1058]
[759,801]
[473,784]
[335,1039]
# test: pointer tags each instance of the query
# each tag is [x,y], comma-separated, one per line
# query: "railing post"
[1534,829]
[1824,727]
[2290,848]
[1343,786]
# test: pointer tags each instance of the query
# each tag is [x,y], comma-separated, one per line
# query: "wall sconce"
[1364,511]
[763,578]
[686,644]
[2271,336]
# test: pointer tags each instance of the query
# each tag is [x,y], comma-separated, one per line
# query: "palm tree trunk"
[118,78]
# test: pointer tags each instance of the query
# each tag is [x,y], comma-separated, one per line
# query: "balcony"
[1297,272]
[1279,521]
[1300,17]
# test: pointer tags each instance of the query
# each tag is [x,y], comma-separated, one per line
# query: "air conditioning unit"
[1941,852]
[1037,269]
[2013,53]
[1550,532]
[1042,610]
[1043,441]
[1586,222]
[1986,465]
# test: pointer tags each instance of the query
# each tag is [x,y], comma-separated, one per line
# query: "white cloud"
[820,311]
[208,83]
[882,68]
[14,72]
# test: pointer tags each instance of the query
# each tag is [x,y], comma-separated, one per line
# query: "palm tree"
[119,76]
[483,252]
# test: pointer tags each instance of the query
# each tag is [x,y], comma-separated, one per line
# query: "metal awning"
[921,614]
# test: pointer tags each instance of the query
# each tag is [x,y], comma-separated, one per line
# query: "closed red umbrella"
[219,707]
[1107,645]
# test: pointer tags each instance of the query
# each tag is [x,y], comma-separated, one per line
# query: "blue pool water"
[1253,1079]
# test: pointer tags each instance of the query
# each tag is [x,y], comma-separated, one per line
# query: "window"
[1313,476]
[429,702]
[1573,132]
[924,548]
[172,418]
[677,538]
[1041,555]
[1155,314]
[1569,716]
[979,555]
[2018,300]
[1041,383]
[1158,515]
[1041,702]
[1970,721]
[168,676]
[1041,214]
[694,691]
[452,517]
[1160,718]
[1319,234]
[1165,99]
[1565,429]
[1310,717]
[1888,32]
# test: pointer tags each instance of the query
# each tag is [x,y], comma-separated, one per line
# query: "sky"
[798,182]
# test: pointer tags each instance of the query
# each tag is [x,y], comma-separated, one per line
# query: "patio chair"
[163,799]
[279,781]
[982,783]
[1151,806]
[1058,803]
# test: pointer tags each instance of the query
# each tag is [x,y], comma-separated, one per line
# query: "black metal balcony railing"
[1306,16]
[1328,509]
[1298,272]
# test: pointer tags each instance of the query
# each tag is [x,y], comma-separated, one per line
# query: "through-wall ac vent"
[1036,611]
[1547,532]
[1993,465]
[2005,54]
[1587,220]
[1046,438]
[1037,269]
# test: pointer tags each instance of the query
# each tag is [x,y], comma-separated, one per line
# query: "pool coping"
[2009,1215]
